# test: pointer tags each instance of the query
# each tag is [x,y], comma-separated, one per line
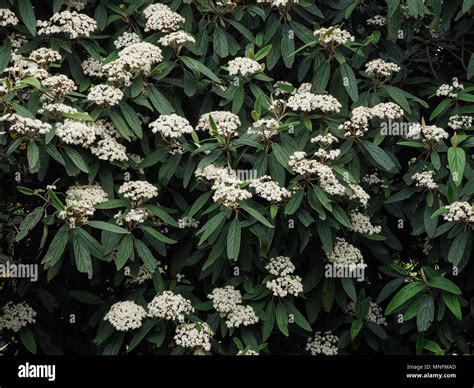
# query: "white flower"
[446,90]
[270,190]
[241,315]
[307,102]
[458,122]
[143,275]
[374,314]
[57,109]
[26,126]
[279,3]
[16,316]
[132,217]
[345,254]
[387,111]
[126,39]
[333,36]
[283,286]
[225,299]
[361,223]
[243,67]
[227,123]
[325,140]
[7,18]
[125,316]
[425,179]
[381,69]
[74,24]
[132,61]
[323,343]
[280,266]
[186,222]
[59,85]
[105,95]
[459,212]
[359,194]
[45,56]
[76,132]
[92,67]
[194,335]
[170,306]
[160,17]
[176,39]
[138,191]
[81,201]
[429,133]
[377,20]
[372,179]
[171,126]
[264,128]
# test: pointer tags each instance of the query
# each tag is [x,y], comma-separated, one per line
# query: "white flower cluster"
[25,126]
[59,86]
[171,126]
[323,343]
[325,140]
[243,67]
[278,90]
[125,316]
[428,133]
[270,190]
[425,179]
[45,56]
[57,109]
[76,132]
[372,179]
[325,155]
[160,17]
[381,69]
[108,148]
[132,61]
[126,39]
[285,282]
[228,303]
[7,18]
[361,223]
[176,39]
[170,306]
[459,123]
[16,316]
[227,123]
[143,275]
[447,90]
[248,352]
[377,20]
[92,67]
[374,314]
[459,212]
[105,95]
[81,201]
[333,36]
[279,3]
[132,217]
[226,185]
[345,254]
[193,335]
[306,101]
[138,191]
[72,23]
[359,194]
[358,125]
[186,222]
[264,129]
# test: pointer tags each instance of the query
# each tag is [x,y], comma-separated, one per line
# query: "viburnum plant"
[237,177]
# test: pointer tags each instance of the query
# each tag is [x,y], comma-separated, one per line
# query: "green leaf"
[349,81]
[141,334]
[356,327]
[57,247]
[452,302]
[159,101]
[145,254]
[199,67]
[444,284]
[432,346]
[341,216]
[5,54]
[255,214]
[456,163]
[77,159]
[405,294]
[159,236]
[399,96]
[294,203]
[82,254]
[282,319]
[199,203]
[349,288]
[85,297]
[233,239]
[32,154]
[379,155]
[27,15]
[425,313]
[440,108]
[162,214]
[262,53]
[112,204]
[29,222]
[124,251]
[322,197]
[211,226]
[28,339]
[107,226]
[458,247]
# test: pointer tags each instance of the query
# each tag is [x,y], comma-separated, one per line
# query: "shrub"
[270,177]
